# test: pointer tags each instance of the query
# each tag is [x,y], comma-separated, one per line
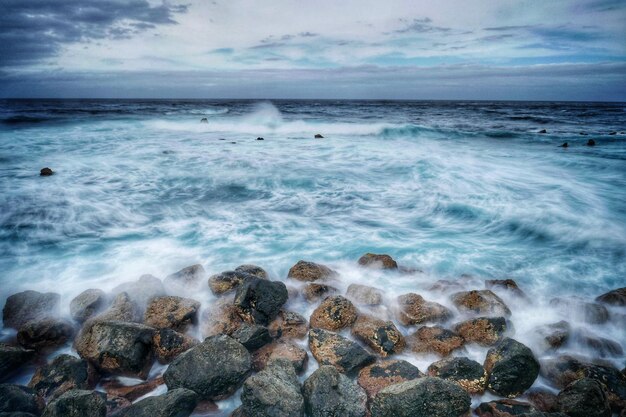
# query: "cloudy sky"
[412,49]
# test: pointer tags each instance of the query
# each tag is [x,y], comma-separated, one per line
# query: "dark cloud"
[423,25]
[32,30]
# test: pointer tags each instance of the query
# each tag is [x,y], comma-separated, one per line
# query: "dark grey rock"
[178,402]
[78,403]
[28,305]
[252,336]
[468,374]
[260,300]
[12,358]
[379,375]
[504,408]
[141,291]
[190,276]
[511,368]
[16,398]
[257,271]
[45,333]
[64,373]
[330,348]
[615,297]
[584,398]
[168,344]
[327,392]
[123,308]
[87,304]
[578,309]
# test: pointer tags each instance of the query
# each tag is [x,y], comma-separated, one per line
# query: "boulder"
[45,333]
[379,375]
[446,286]
[281,349]
[12,358]
[318,136]
[381,336]
[468,374]
[422,397]
[142,290]
[16,398]
[77,403]
[257,271]
[505,285]
[511,368]
[213,369]
[334,313]
[327,392]
[553,335]
[123,308]
[314,291]
[485,331]
[63,374]
[585,397]
[601,346]
[131,392]
[329,348]
[373,260]
[434,339]
[542,399]
[252,336]
[289,325]
[25,306]
[190,276]
[504,408]
[171,312]
[259,300]
[309,271]
[87,304]
[116,347]
[168,344]
[46,172]
[615,297]
[273,392]
[366,295]
[227,281]
[580,310]
[174,403]
[480,302]
[413,309]
[221,318]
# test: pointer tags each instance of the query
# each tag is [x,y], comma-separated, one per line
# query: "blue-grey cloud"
[422,25]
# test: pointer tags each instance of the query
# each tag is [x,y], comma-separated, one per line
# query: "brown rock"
[296,355]
[227,281]
[363,294]
[468,374]
[310,271]
[330,348]
[434,339]
[313,292]
[413,309]
[168,344]
[616,297]
[46,172]
[381,336]
[542,399]
[373,260]
[131,392]
[288,325]
[221,318]
[485,331]
[503,408]
[507,285]
[446,286]
[115,404]
[123,308]
[480,302]
[171,312]
[46,333]
[554,335]
[190,276]
[63,374]
[375,377]
[87,304]
[334,313]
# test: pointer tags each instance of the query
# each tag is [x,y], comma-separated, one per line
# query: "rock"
[63,374]
[25,306]
[190,276]
[318,136]
[45,333]
[141,291]
[363,294]
[17,414]
[485,331]
[553,335]
[123,308]
[273,392]
[259,138]
[285,350]
[480,302]
[252,336]
[434,339]
[511,368]
[131,392]
[46,172]
[601,346]
[591,142]
[168,344]
[12,358]
[289,325]
[16,398]
[259,300]
[329,348]
[445,286]
[543,131]
[174,403]
[330,393]
[373,260]
[77,403]
[227,281]
[87,304]
[171,312]
[507,285]
[204,120]
[542,399]
[381,336]
[309,271]
[578,309]
[221,318]
[116,347]
[334,313]
[564,145]
[257,271]
[213,369]
[313,292]
[615,297]
[503,408]
[422,397]
[584,398]
[375,377]
[413,309]
[468,374]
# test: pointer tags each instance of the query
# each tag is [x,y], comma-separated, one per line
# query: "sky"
[391,49]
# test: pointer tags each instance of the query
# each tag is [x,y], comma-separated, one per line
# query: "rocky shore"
[303,347]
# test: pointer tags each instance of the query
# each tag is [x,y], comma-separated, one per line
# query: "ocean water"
[450,188]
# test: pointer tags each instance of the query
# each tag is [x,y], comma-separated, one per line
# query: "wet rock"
[77,403]
[446,286]
[366,295]
[542,399]
[505,285]
[434,339]
[376,261]
[257,271]
[174,403]
[168,344]
[579,309]
[259,138]
[543,131]
[591,142]
[252,336]
[468,374]
[204,120]
[480,302]
[615,297]
[171,312]
[423,397]
[511,368]
[413,309]
[486,331]
[63,374]
[309,271]
[554,335]
[601,346]
[259,300]
[118,348]
[227,281]
[273,392]
[221,318]
[381,336]
[564,145]
[318,136]
[46,172]
[503,408]
[289,325]
[190,276]
[16,398]
[277,350]
[131,392]
[375,377]
[25,306]
[213,369]
[330,393]
[334,313]
[329,348]
[45,333]
[123,308]
[87,304]
[584,398]
[12,358]
[141,291]
[313,292]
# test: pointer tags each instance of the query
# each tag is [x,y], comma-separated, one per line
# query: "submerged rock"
[46,172]
[221,318]
[309,271]
[318,136]
[334,313]
[171,312]
[564,145]
[131,392]
[12,358]
[593,313]
[330,393]
[511,368]
[174,403]
[381,336]
[63,374]
[313,292]
[329,348]
[375,377]
[259,300]
[78,403]
[141,291]
[585,397]
[252,336]
[434,339]
[601,346]
[591,142]
[504,408]
[542,399]
[485,331]
[554,335]
[468,374]
[280,350]
[413,309]
[19,399]
[615,297]
[123,308]
[168,344]
[480,302]
[190,276]
[507,285]
[366,295]
[289,325]
[29,305]
[376,261]
[87,304]
[46,333]
[255,270]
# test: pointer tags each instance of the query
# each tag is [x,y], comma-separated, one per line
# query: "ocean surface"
[450,188]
